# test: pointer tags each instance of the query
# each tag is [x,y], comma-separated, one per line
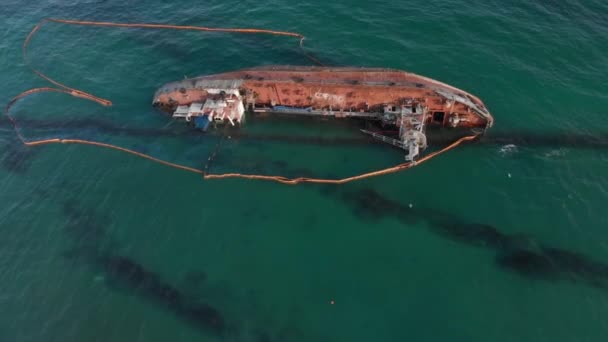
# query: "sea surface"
[505,239]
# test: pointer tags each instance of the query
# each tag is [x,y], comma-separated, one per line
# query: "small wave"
[508,149]
[555,153]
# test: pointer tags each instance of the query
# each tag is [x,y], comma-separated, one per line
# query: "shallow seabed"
[502,240]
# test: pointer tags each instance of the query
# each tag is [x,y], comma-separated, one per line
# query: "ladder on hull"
[412,137]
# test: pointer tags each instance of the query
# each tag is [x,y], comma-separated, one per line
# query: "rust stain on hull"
[405,101]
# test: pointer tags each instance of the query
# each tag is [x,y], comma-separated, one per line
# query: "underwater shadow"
[520,254]
[94,246]
[598,140]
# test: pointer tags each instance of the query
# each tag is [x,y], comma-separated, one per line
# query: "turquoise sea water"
[502,240]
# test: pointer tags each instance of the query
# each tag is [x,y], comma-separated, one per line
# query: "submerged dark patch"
[150,285]
[227,161]
[91,245]
[530,264]
[517,253]
[106,126]
[475,234]
[16,157]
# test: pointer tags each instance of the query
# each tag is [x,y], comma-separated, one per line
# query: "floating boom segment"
[399,105]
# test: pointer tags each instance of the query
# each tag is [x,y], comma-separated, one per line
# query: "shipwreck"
[400,106]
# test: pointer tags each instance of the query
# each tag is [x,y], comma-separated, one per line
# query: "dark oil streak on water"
[515,253]
[17,157]
[556,140]
[521,254]
[93,246]
[87,229]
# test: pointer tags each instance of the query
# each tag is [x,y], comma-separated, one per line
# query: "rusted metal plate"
[337,89]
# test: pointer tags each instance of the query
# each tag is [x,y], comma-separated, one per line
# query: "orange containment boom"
[62,88]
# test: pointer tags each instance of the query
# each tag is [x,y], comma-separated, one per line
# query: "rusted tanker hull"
[407,101]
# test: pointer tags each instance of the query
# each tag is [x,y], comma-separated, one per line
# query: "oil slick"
[15,157]
[509,142]
[522,255]
[94,246]
[149,285]
[513,253]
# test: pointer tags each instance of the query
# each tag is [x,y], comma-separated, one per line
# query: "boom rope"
[396,168]
[62,88]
